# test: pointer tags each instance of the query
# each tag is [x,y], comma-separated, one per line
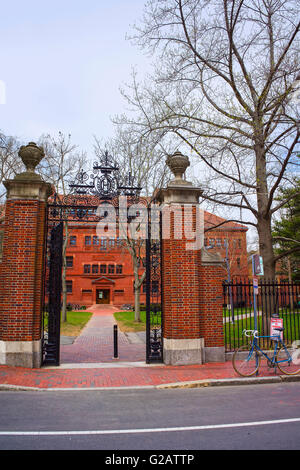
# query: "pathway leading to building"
[95,343]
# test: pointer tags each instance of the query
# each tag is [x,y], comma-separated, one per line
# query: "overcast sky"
[62,63]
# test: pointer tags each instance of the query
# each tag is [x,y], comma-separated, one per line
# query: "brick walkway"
[127,376]
[95,343]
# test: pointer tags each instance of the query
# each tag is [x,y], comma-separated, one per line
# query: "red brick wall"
[211,305]
[21,273]
[180,287]
[1,243]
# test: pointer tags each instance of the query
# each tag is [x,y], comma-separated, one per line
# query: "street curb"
[23,388]
[230,382]
[187,384]
[17,388]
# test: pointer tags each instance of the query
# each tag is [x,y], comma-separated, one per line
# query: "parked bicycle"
[246,359]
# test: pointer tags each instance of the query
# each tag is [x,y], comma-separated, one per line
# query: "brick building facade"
[98,270]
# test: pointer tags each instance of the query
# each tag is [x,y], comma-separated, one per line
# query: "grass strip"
[76,320]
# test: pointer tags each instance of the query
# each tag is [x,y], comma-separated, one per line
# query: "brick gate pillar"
[211,276]
[21,278]
[192,279]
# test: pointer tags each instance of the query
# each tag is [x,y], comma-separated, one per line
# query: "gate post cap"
[178,163]
[31,155]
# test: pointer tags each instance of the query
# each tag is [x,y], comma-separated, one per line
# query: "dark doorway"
[102,296]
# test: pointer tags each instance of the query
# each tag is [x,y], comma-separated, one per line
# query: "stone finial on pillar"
[31,155]
[22,186]
[178,163]
[178,190]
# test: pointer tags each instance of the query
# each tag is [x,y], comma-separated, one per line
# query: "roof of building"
[214,222]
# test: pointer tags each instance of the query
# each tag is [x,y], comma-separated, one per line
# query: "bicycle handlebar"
[252,333]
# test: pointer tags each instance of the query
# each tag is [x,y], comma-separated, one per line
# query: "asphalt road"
[241,417]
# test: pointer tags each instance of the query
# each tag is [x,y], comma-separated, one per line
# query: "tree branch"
[286,253]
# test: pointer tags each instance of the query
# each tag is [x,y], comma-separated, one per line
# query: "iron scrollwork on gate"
[154,300]
[51,326]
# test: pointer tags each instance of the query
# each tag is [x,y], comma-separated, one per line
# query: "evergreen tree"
[286,232]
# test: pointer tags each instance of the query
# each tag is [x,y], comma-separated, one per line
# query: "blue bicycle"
[246,359]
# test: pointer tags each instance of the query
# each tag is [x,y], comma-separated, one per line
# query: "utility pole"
[229,280]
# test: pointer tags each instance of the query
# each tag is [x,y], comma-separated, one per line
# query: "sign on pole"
[257,265]
[255,285]
[276,323]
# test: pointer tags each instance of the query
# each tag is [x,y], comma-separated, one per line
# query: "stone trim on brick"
[183,351]
[21,353]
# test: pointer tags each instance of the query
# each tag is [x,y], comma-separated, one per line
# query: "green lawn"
[246,310]
[291,323]
[233,331]
[126,321]
[75,322]
[237,311]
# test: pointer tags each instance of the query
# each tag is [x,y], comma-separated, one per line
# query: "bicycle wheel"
[246,361]
[288,360]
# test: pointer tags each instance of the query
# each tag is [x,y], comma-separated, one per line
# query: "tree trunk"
[263,209]
[138,281]
[137,304]
[137,288]
[266,247]
[265,237]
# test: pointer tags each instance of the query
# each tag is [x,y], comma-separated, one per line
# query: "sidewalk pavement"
[87,364]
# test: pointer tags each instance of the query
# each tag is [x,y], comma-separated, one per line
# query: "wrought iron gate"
[281,298]
[154,290]
[53,287]
[82,206]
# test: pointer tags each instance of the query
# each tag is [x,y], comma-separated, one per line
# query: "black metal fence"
[274,298]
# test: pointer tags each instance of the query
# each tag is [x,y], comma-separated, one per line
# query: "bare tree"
[10,163]
[224,89]
[61,164]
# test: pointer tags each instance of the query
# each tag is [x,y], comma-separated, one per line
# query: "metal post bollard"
[116,342]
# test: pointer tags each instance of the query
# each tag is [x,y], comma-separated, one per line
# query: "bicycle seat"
[279,329]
